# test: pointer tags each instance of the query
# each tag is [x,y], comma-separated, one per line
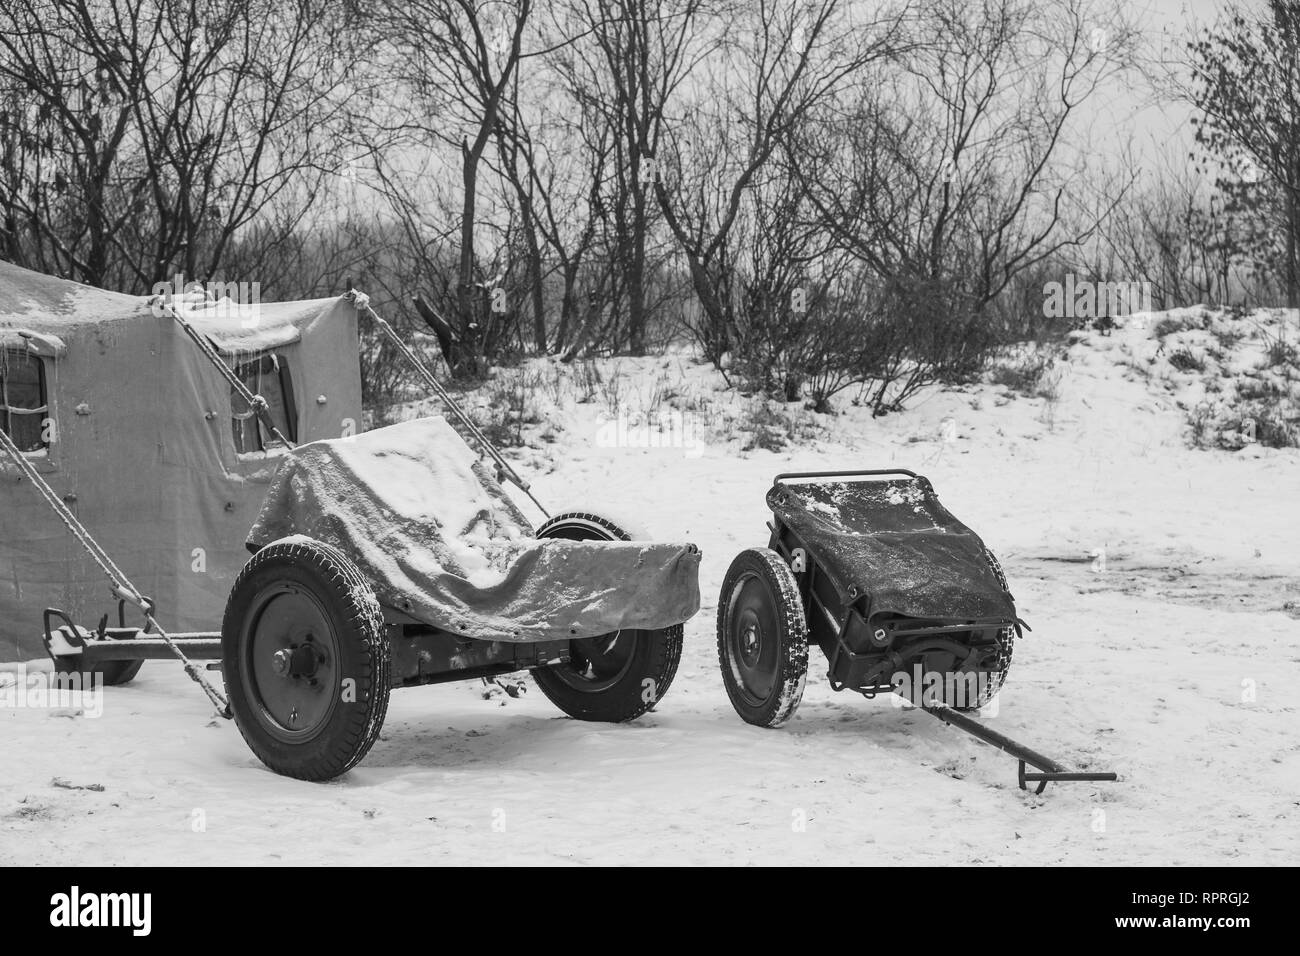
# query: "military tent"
[154,450]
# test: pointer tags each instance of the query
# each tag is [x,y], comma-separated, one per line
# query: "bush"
[887,339]
[587,380]
[1026,372]
[1279,352]
[1228,338]
[1258,389]
[1186,360]
[1272,422]
[1200,423]
[511,398]
[769,428]
[1171,325]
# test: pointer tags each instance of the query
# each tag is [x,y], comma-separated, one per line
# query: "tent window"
[269,377]
[23,402]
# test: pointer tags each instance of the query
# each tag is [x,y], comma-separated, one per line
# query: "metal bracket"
[1047,776]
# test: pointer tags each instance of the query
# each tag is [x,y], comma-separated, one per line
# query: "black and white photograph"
[650,433]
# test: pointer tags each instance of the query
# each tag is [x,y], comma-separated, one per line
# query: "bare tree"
[557,166]
[956,171]
[776,65]
[1247,87]
[1180,238]
[457,60]
[641,53]
[140,140]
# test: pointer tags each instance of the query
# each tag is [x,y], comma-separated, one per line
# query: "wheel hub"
[753,652]
[280,662]
[595,663]
[298,661]
[291,674]
[750,644]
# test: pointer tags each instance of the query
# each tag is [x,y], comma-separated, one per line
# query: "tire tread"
[363,617]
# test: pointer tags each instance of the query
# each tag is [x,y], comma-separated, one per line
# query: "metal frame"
[1050,770]
[420,654]
[837,613]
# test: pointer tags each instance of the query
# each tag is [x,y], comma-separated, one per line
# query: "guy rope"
[256,402]
[362,303]
[122,588]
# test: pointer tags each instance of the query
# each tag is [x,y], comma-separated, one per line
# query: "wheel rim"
[596,663]
[753,639]
[291,663]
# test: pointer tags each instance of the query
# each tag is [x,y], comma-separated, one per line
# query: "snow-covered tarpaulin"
[897,542]
[438,539]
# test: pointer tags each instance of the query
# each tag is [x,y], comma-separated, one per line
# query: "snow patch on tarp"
[38,343]
[438,538]
[47,303]
[895,541]
[238,328]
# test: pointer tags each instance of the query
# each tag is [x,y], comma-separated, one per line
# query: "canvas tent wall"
[141,435]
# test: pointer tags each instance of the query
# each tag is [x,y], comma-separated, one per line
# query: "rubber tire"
[364,652]
[792,656]
[1006,645]
[655,657]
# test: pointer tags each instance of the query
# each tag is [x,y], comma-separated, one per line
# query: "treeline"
[822,195]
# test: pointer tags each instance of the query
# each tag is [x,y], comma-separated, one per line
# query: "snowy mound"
[1234,375]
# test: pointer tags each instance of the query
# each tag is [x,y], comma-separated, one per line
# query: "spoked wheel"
[611,677]
[762,638]
[305,659]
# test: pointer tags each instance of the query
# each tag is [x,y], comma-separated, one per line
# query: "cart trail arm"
[1048,770]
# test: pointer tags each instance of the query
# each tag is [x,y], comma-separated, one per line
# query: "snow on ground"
[1161,583]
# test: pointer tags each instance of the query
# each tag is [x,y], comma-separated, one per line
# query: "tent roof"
[35,302]
[47,304]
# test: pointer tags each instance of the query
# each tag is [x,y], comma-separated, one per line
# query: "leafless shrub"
[1171,325]
[1272,421]
[769,428]
[512,404]
[613,391]
[1185,360]
[587,380]
[1278,352]
[1025,370]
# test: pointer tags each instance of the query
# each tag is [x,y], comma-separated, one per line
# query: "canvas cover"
[897,543]
[143,448]
[429,527]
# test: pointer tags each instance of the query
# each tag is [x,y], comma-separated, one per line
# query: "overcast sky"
[1132,112]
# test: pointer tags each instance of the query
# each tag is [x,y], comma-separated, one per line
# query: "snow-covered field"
[1162,584]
